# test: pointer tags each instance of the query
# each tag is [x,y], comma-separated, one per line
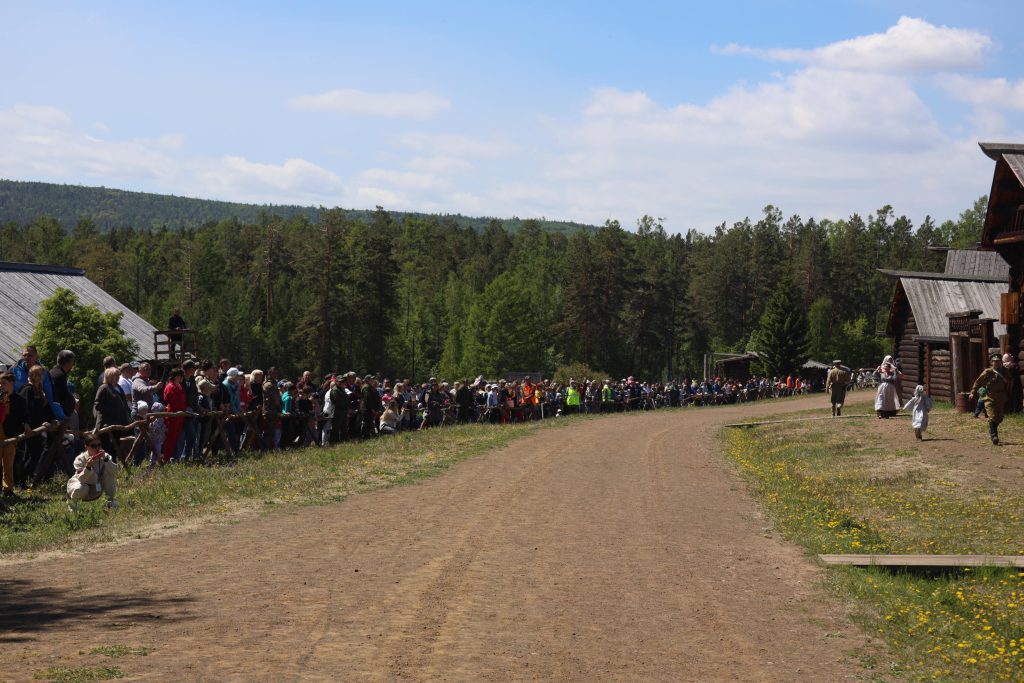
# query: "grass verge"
[177,494]
[836,487]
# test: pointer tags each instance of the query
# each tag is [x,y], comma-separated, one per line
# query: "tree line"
[23,201]
[416,295]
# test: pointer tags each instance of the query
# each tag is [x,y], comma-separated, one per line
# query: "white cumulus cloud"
[985,92]
[911,45]
[417,105]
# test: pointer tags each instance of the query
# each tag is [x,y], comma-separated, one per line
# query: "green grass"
[833,487]
[79,674]
[169,496]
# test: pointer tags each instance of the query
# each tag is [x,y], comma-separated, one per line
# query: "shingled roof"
[974,263]
[1012,154]
[931,301]
[24,286]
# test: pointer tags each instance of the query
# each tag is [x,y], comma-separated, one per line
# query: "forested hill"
[23,202]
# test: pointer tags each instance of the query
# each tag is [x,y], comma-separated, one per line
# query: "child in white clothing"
[920,405]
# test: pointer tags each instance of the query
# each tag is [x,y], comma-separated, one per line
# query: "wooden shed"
[24,286]
[919,323]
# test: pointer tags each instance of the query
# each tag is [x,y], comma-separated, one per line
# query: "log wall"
[910,354]
[939,374]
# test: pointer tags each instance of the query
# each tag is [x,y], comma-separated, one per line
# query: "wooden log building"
[24,286]
[1004,233]
[932,314]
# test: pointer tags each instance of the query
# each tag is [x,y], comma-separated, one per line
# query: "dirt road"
[623,549]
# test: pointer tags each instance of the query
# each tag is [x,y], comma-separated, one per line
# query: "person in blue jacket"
[30,357]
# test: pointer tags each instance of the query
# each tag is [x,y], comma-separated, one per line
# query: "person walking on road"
[835,386]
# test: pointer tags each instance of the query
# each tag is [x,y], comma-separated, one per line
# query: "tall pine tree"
[782,335]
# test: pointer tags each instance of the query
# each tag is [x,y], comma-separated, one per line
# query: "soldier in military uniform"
[835,386]
[996,393]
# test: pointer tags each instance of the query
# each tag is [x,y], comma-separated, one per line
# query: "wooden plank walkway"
[808,419]
[925,561]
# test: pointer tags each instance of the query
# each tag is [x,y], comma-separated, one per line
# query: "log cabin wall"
[938,380]
[909,353]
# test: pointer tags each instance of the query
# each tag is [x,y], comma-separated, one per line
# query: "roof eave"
[994,150]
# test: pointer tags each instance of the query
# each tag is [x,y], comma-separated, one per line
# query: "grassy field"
[857,486]
[175,495]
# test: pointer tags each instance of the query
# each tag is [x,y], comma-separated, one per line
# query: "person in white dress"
[887,399]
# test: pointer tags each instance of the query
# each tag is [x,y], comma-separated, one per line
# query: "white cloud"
[418,105]
[438,164]
[402,179]
[43,143]
[375,196]
[456,145]
[910,45]
[294,181]
[990,93]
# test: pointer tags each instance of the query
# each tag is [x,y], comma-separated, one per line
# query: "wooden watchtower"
[171,348]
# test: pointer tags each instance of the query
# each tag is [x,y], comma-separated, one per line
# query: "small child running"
[920,405]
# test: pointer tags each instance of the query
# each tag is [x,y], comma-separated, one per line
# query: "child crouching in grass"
[919,405]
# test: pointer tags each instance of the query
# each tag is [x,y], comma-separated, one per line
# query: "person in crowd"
[369,407]
[389,418]
[232,400]
[95,473]
[305,416]
[272,408]
[157,433]
[464,400]
[289,401]
[572,398]
[996,388]
[108,362]
[174,399]
[63,404]
[143,387]
[14,422]
[887,398]
[185,450]
[110,408]
[223,366]
[125,383]
[40,411]
[341,399]
[328,410]
[209,401]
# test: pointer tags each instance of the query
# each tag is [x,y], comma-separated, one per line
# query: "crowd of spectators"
[203,409]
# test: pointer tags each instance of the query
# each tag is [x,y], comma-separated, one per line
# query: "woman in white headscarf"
[887,400]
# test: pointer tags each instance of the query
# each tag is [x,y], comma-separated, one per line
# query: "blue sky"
[695,113]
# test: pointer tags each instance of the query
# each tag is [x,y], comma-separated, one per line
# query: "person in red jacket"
[174,399]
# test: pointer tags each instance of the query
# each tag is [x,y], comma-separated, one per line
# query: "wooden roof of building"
[975,263]
[925,275]
[24,286]
[931,300]
[1004,220]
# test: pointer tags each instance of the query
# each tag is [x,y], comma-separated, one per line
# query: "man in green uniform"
[835,386]
[994,382]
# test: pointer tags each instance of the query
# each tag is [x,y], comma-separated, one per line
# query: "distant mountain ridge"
[24,201]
